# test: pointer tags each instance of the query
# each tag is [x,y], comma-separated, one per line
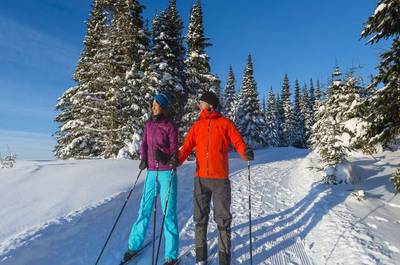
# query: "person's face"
[156,108]
[204,105]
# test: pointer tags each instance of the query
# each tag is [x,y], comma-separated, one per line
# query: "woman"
[159,143]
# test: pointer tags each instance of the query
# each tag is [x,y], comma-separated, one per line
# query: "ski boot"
[129,254]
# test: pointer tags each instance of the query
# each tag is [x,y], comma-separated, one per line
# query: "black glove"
[162,157]
[248,152]
[174,161]
[143,164]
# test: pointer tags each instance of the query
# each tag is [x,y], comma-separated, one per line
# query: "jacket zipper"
[208,144]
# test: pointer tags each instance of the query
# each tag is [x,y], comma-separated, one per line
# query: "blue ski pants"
[139,228]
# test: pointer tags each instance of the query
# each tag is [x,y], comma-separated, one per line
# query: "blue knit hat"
[162,100]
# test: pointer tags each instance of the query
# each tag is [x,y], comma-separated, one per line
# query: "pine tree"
[306,109]
[395,179]
[384,105]
[134,41]
[249,118]
[82,107]
[197,67]
[272,119]
[286,114]
[318,98]
[327,131]
[127,47]
[312,94]
[298,133]
[164,62]
[229,95]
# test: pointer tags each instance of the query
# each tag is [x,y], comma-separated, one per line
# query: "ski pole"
[119,215]
[165,213]
[251,243]
[155,213]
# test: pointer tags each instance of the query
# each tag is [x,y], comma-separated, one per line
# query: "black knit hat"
[211,98]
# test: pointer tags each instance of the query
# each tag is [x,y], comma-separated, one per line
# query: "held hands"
[249,154]
[174,161]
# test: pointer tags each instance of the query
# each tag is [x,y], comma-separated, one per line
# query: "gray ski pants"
[219,190]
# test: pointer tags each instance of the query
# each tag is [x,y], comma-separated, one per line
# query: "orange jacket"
[210,136]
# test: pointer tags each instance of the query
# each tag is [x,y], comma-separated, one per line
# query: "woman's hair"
[165,112]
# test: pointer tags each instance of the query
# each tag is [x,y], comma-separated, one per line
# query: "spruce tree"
[286,114]
[384,105]
[272,119]
[82,128]
[164,62]
[395,179]
[133,41]
[197,67]
[298,133]
[249,118]
[328,129]
[229,95]
[312,94]
[318,98]
[306,109]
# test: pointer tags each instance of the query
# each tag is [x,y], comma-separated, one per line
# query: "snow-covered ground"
[60,212]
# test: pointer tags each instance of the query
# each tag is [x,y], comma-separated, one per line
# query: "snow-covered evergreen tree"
[384,105]
[82,126]
[298,134]
[318,98]
[249,119]
[164,62]
[395,179]
[286,114]
[336,127]
[312,94]
[229,94]
[306,109]
[134,43]
[197,67]
[272,119]
[327,131]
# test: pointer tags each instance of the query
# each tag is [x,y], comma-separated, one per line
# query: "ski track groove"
[273,240]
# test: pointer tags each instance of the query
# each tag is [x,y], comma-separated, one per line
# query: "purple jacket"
[162,134]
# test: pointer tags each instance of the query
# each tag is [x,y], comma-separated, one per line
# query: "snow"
[379,8]
[60,212]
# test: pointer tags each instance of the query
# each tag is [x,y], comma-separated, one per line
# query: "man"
[211,136]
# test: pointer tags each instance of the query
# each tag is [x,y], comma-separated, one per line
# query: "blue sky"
[41,40]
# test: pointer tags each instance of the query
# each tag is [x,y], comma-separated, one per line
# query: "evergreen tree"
[327,131]
[249,118]
[312,94]
[384,105]
[298,134]
[164,62]
[318,98]
[198,75]
[306,109]
[395,179]
[229,95]
[272,119]
[336,126]
[286,114]
[279,107]
[82,127]
[133,41]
